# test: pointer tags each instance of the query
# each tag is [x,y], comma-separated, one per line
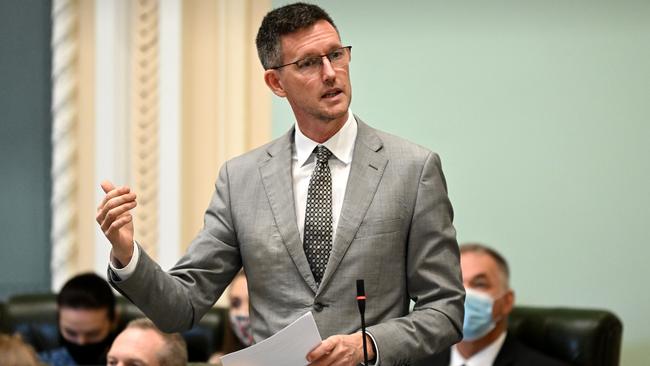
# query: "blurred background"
[540,111]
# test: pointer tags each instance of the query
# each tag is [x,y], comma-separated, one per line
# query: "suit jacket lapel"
[507,353]
[278,182]
[365,174]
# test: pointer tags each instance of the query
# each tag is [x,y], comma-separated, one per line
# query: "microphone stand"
[361,302]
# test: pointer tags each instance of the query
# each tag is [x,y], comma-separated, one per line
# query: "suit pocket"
[378,227]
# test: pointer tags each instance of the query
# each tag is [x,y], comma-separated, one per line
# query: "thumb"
[107,186]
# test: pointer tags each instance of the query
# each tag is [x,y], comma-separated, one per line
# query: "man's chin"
[330,118]
[334,114]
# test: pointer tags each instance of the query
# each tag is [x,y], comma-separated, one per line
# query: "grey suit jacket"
[395,231]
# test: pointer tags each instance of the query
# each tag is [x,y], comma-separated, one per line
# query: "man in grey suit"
[330,202]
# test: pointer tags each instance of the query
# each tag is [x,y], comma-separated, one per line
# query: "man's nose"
[327,70]
[82,340]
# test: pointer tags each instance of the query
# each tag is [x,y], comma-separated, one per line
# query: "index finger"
[114,192]
[107,186]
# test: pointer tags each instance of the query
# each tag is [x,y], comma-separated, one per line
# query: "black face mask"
[89,353]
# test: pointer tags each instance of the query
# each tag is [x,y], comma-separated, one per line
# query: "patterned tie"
[318,215]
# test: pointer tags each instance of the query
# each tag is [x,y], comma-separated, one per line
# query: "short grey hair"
[174,351]
[501,262]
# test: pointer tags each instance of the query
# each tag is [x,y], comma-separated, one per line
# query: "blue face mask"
[478,315]
[241,325]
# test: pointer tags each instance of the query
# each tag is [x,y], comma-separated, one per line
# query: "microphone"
[361,302]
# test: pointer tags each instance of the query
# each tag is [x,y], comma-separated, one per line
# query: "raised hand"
[115,219]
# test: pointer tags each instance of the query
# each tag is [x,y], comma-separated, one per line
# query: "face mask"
[478,315]
[89,353]
[241,325]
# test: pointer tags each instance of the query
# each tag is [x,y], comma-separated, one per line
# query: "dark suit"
[395,231]
[512,353]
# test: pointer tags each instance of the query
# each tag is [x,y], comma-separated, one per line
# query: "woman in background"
[238,335]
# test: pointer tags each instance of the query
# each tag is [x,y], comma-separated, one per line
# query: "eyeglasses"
[311,65]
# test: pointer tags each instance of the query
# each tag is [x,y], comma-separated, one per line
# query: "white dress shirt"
[304,160]
[485,357]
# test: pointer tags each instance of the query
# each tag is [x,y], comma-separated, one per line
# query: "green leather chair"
[34,316]
[581,337]
[3,317]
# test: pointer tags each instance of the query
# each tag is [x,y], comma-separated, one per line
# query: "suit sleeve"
[433,278]
[177,299]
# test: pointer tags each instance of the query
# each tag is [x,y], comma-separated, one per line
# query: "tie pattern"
[318,215]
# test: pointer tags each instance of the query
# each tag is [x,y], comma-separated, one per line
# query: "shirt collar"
[341,144]
[486,356]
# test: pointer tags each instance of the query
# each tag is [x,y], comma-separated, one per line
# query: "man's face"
[84,326]
[324,96]
[481,273]
[136,347]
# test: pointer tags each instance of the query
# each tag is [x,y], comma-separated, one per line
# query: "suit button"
[318,307]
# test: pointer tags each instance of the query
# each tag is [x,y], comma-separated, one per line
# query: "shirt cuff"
[376,351]
[126,271]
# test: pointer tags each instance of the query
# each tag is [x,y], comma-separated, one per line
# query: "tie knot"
[323,154]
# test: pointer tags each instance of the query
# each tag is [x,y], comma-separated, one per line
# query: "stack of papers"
[288,347]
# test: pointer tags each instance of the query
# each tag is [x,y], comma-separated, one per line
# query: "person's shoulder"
[56,357]
[391,143]
[263,152]
[438,359]
[525,355]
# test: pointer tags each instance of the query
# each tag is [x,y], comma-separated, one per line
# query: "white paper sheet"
[288,347]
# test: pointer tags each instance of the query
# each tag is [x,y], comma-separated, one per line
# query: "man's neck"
[321,130]
[469,349]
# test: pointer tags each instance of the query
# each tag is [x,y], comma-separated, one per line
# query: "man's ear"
[508,302]
[272,79]
[116,320]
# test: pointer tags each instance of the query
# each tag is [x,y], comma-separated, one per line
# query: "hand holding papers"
[288,347]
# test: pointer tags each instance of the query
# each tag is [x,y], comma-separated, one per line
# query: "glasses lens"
[309,64]
[312,65]
[339,57]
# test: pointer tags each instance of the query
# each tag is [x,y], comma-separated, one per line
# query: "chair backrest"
[34,316]
[580,337]
[4,328]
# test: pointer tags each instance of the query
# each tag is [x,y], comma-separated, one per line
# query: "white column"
[112,74]
[64,140]
[170,132]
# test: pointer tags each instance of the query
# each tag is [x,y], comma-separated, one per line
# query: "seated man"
[141,343]
[488,302]
[87,322]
